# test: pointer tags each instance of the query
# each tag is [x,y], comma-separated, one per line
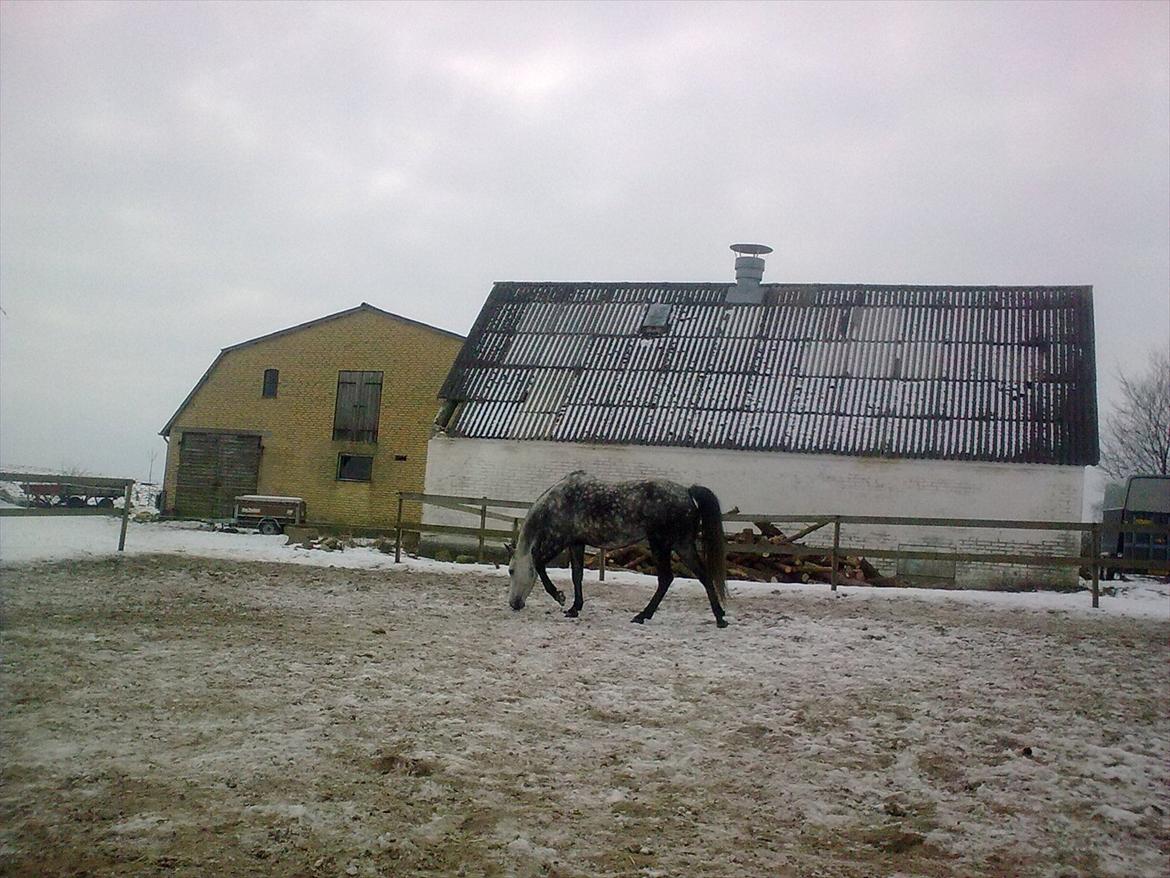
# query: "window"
[656,321]
[354,467]
[359,402]
[271,378]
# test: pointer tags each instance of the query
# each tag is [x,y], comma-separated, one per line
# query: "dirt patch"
[184,717]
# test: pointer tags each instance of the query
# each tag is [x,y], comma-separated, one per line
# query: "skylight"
[656,320]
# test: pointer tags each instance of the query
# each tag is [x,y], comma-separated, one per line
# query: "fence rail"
[482,507]
[72,483]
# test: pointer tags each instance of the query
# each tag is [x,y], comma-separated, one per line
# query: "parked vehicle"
[1142,500]
[269,515]
[71,494]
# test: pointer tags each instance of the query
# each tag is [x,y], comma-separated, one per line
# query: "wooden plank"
[59,510]
[836,550]
[398,533]
[194,488]
[463,507]
[503,504]
[90,481]
[835,557]
[417,528]
[125,520]
[773,549]
[922,555]
[1096,553]
[1006,524]
[1155,564]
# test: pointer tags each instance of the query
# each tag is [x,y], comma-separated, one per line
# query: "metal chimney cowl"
[749,271]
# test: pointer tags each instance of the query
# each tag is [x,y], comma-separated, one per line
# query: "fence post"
[125,518]
[601,563]
[834,560]
[398,533]
[482,527]
[1096,564]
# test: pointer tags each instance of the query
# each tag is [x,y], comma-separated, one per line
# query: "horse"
[579,510]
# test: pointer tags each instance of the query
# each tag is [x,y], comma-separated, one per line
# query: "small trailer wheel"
[106,502]
[269,527]
[75,502]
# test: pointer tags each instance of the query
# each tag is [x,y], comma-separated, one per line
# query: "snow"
[340,714]
[46,539]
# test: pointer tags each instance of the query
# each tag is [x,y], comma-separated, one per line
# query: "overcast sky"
[179,177]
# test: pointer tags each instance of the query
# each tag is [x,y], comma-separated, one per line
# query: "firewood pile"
[777,557]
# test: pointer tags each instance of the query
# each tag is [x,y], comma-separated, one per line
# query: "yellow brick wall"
[299,456]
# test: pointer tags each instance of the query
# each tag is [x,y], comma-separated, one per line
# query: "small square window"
[271,379]
[656,321]
[354,467]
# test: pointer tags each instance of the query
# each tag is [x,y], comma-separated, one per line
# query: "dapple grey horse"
[579,510]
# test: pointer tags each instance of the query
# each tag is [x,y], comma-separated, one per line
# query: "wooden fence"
[484,508]
[74,485]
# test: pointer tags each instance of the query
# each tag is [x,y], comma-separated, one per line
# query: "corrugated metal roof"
[970,373]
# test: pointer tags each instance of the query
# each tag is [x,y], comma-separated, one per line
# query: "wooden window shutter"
[359,405]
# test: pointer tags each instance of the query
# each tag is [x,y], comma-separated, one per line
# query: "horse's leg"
[577,562]
[665,578]
[540,562]
[688,555]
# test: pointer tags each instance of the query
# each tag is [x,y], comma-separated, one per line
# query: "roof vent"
[749,271]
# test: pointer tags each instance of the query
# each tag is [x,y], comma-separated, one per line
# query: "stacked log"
[775,557]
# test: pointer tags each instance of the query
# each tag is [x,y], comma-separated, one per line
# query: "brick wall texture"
[299,456]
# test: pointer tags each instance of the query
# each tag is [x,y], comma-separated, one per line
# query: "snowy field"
[224,704]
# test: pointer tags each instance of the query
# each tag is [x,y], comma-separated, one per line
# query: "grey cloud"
[176,178]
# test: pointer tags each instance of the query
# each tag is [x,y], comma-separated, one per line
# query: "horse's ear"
[510,549]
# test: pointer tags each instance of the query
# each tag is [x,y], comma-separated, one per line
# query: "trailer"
[1140,502]
[269,515]
[68,493]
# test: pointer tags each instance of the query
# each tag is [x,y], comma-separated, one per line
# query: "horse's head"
[522,575]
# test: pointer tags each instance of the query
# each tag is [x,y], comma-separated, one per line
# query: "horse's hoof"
[639,619]
[560,597]
[722,623]
[571,613]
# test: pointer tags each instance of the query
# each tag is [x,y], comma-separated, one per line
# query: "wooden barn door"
[214,468]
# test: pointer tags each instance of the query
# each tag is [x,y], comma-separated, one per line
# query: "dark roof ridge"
[789,285]
[364,306]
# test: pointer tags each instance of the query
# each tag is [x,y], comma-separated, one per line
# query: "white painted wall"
[775,482]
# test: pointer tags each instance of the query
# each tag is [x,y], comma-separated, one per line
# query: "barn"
[859,399]
[336,411]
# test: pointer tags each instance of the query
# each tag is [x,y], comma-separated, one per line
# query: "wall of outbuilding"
[299,455]
[770,482]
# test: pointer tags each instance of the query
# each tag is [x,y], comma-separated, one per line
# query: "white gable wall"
[781,483]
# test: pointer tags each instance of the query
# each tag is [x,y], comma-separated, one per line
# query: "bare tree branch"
[1136,438]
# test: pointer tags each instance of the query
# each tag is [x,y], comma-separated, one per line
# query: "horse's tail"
[714,543]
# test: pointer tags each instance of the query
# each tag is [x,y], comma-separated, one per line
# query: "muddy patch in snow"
[190,717]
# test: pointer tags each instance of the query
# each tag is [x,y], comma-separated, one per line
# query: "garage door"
[215,468]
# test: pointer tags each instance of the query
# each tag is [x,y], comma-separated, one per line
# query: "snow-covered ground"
[190,716]
[187,711]
[39,539]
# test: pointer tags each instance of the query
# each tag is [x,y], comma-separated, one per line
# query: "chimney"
[749,271]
